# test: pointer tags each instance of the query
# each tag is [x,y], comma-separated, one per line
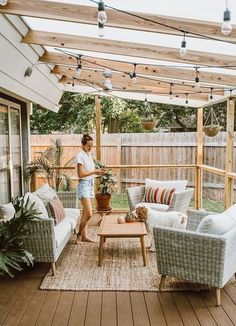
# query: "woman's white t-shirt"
[86,160]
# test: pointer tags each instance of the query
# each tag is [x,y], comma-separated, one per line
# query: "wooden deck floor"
[22,303]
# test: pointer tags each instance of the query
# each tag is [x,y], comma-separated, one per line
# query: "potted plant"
[148,121]
[212,126]
[107,186]
[58,179]
[12,234]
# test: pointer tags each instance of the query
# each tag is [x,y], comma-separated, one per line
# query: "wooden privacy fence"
[173,156]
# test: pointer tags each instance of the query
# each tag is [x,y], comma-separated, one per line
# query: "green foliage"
[12,233]
[45,163]
[108,181]
[77,115]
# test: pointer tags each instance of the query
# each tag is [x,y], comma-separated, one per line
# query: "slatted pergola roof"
[145,33]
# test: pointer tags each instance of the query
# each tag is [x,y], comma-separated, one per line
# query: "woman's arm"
[82,173]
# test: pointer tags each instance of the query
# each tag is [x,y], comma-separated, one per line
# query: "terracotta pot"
[148,125]
[103,202]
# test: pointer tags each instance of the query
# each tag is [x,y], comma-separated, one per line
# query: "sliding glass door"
[10,151]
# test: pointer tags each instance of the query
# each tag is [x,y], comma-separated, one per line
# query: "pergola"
[141,41]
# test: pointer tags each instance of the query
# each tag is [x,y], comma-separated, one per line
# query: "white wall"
[41,87]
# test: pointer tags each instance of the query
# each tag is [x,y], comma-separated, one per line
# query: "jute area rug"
[122,268]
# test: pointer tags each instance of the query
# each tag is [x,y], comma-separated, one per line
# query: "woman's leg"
[87,214]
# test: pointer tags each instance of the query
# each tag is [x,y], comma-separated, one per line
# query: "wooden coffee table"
[109,228]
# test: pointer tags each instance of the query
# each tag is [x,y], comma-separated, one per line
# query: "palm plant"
[45,165]
[12,234]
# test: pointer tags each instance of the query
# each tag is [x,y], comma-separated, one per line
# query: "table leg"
[100,254]
[143,250]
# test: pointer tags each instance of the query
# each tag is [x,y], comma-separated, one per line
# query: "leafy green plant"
[12,234]
[44,165]
[108,181]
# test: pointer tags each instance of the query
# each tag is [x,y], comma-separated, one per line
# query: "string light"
[102,16]
[186,99]
[107,82]
[211,95]
[101,30]
[133,75]
[226,27]
[145,101]
[197,80]
[3,2]
[170,92]
[183,50]
[79,66]
[73,82]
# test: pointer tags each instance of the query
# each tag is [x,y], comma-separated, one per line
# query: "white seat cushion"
[72,216]
[62,229]
[157,207]
[231,211]
[179,185]
[38,204]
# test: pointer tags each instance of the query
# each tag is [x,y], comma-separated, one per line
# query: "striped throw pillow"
[55,209]
[159,195]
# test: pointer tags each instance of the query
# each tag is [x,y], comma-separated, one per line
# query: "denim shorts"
[86,189]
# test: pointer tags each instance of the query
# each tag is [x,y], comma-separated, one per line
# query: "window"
[10,151]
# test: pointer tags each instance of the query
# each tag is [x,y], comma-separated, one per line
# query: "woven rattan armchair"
[197,257]
[180,201]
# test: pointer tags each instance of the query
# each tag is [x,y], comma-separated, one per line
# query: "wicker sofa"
[197,257]
[46,240]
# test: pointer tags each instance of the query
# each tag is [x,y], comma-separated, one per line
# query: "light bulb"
[102,16]
[134,78]
[78,70]
[101,30]
[171,96]
[197,84]
[226,27]
[107,84]
[3,2]
[183,50]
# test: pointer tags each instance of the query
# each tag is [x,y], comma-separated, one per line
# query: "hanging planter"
[148,124]
[211,127]
[148,121]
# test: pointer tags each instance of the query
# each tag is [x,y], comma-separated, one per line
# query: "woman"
[86,171]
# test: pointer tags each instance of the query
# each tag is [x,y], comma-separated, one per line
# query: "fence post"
[228,195]
[198,173]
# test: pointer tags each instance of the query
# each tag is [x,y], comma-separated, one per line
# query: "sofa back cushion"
[7,211]
[55,210]
[216,224]
[38,204]
[158,195]
[231,211]
[179,185]
[45,193]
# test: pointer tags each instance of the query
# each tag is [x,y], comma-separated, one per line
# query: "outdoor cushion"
[62,230]
[157,207]
[179,185]
[38,204]
[72,215]
[231,211]
[159,195]
[7,211]
[45,193]
[55,210]
[216,224]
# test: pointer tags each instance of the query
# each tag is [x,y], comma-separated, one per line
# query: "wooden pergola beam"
[142,69]
[88,15]
[126,48]
[133,88]
[124,80]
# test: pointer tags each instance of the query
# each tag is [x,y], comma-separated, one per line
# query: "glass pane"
[16,182]
[15,134]
[4,137]
[4,186]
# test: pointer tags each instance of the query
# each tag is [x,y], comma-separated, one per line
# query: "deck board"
[22,303]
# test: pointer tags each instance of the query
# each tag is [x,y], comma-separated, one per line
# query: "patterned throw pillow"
[159,195]
[55,210]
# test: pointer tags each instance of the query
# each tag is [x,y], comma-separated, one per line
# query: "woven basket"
[211,130]
[148,125]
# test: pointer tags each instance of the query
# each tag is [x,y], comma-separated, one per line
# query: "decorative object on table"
[148,121]
[12,234]
[211,127]
[107,186]
[130,217]
[120,220]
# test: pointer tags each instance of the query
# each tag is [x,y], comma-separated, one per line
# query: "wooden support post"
[98,128]
[199,159]
[228,196]
[33,182]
